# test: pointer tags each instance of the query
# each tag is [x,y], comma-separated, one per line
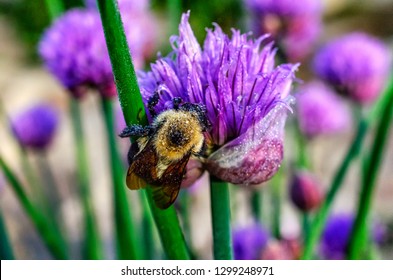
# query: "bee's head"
[177,136]
[199,111]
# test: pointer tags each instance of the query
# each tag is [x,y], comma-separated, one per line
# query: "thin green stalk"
[126,239]
[171,235]
[185,203]
[221,219]
[34,182]
[360,229]
[46,231]
[6,252]
[276,202]
[55,8]
[123,69]
[134,113]
[305,225]
[149,249]
[185,206]
[302,155]
[50,188]
[322,215]
[92,245]
[51,197]
[256,204]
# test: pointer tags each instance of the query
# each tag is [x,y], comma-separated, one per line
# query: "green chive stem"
[359,236]
[134,113]
[92,244]
[127,245]
[221,219]
[48,233]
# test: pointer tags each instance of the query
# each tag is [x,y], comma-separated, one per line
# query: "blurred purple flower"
[74,48]
[246,98]
[249,241]
[305,191]
[35,127]
[336,236]
[321,111]
[295,25]
[356,64]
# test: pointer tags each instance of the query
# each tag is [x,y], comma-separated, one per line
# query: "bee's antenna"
[153,101]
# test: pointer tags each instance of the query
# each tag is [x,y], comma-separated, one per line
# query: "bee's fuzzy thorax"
[178,133]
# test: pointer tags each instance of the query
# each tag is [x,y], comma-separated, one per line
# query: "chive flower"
[320,111]
[35,127]
[246,97]
[249,241]
[305,191]
[335,237]
[74,49]
[295,25]
[356,64]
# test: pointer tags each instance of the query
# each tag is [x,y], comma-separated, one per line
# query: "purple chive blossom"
[249,241]
[295,25]
[357,65]
[35,127]
[320,111]
[335,237]
[246,98]
[74,49]
[305,191]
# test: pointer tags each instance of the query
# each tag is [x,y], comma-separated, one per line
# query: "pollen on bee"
[178,134]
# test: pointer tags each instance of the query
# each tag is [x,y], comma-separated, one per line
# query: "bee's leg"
[153,101]
[135,130]
[176,102]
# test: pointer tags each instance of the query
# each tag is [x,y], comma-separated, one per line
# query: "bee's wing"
[133,181]
[166,193]
[143,164]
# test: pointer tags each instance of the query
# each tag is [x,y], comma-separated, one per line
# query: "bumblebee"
[160,155]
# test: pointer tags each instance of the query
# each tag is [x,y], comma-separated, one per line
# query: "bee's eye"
[177,138]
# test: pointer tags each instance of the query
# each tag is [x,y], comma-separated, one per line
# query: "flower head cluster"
[74,48]
[294,24]
[35,127]
[305,191]
[321,111]
[336,236]
[245,95]
[356,64]
[249,241]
